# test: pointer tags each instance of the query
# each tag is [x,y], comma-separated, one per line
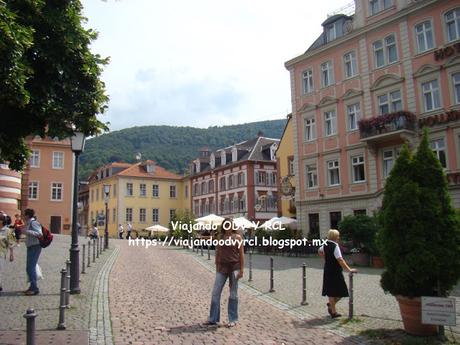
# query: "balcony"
[387,127]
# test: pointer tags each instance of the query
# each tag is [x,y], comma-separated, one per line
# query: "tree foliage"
[361,230]
[49,79]
[420,237]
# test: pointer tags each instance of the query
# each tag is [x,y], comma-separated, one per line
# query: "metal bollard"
[304,285]
[209,253]
[62,306]
[350,299]
[250,267]
[89,253]
[94,250]
[97,247]
[30,316]
[83,255]
[67,294]
[101,244]
[201,249]
[272,278]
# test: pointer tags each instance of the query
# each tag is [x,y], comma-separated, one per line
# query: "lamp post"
[78,144]
[106,201]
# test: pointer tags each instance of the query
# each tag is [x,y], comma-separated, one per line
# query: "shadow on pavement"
[194,328]
[21,294]
[314,322]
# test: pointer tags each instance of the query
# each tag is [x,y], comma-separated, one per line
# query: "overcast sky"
[203,62]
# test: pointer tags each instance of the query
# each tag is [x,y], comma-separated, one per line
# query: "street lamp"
[78,144]
[106,201]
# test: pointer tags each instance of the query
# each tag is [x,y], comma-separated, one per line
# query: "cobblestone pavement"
[46,304]
[372,307]
[161,296]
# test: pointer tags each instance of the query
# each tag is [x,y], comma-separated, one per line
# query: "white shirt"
[120,229]
[129,226]
[337,252]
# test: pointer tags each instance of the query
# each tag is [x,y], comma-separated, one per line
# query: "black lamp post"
[106,201]
[78,144]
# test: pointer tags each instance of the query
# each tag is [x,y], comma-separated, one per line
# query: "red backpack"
[46,238]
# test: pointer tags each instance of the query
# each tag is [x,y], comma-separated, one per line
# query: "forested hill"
[171,147]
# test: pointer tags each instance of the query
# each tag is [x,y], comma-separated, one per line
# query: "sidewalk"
[14,304]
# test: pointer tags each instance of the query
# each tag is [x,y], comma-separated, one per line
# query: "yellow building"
[285,166]
[142,194]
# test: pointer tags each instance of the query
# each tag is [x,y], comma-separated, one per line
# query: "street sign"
[438,311]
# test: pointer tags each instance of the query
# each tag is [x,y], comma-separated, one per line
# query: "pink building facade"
[367,85]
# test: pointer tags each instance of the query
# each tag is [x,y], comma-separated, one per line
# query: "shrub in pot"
[420,237]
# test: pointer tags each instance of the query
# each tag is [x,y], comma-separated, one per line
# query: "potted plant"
[420,236]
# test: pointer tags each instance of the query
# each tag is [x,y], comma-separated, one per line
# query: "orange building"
[369,83]
[10,190]
[47,183]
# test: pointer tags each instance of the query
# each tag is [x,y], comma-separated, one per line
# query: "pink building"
[394,65]
[10,191]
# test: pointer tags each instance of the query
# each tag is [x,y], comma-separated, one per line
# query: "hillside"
[171,147]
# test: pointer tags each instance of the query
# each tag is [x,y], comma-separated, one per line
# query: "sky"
[201,63]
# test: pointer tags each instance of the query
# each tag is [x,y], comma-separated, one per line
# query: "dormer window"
[223,158]
[150,168]
[331,32]
[212,161]
[273,152]
[197,165]
[234,154]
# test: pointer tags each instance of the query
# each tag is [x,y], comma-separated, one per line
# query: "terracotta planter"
[360,259]
[377,262]
[411,313]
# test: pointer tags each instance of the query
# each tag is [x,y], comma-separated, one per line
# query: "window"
[172,191]
[456,82]
[33,190]
[172,213]
[362,212]
[331,32]
[357,164]
[424,34]
[313,224]
[330,119]
[431,99]
[155,215]
[114,215]
[385,51]
[310,129]
[142,189]
[333,172]
[291,166]
[272,179]
[349,60]
[312,176]
[222,183]
[260,177]
[439,149]
[388,162]
[230,181]
[354,114]
[129,215]
[211,186]
[376,6]
[307,81]
[56,191]
[142,215]
[452,19]
[240,179]
[242,204]
[97,194]
[58,160]
[34,159]
[204,188]
[334,219]
[155,191]
[129,189]
[327,77]
[390,102]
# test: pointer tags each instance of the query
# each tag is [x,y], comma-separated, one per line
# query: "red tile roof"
[139,170]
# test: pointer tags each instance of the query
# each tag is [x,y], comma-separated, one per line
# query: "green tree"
[50,80]
[361,230]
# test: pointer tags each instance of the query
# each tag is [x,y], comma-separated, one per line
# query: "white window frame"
[56,159]
[312,176]
[34,160]
[381,5]
[129,189]
[331,166]
[307,81]
[57,186]
[330,123]
[387,49]
[384,49]
[456,84]
[378,50]
[390,102]
[437,149]
[385,169]
[142,215]
[429,89]
[327,74]
[422,32]
[349,62]
[356,163]
[155,191]
[34,186]
[456,22]
[155,215]
[142,190]
[172,213]
[310,129]
[172,191]
[353,115]
[129,215]
[331,32]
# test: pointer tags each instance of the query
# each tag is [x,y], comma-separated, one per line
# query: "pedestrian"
[7,241]
[95,232]
[229,264]
[334,286]
[33,232]
[120,231]
[18,225]
[129,227]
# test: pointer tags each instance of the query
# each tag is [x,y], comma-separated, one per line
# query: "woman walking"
[7,241]
[33,232]
[229,264]
[334,285]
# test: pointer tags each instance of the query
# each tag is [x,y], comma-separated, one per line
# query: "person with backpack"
[33,233]
[7,241]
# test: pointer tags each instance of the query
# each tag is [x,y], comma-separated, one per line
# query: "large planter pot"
[360,259]
[411,313]
[377,262]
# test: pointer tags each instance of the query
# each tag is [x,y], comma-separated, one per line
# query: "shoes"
[1,289]
[329,310]
[231,324]
[209,323]
[335,315]
[31,293]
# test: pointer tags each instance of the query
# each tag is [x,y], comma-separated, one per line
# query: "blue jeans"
[214,313]
[33,252]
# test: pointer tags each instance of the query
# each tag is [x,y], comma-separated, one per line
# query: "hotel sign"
[430,121]
[446,52]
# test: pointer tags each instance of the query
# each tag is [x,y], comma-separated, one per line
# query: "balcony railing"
[387,123]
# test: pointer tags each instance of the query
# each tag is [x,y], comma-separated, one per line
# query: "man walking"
[129,227]
[120,231]
[33,231]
